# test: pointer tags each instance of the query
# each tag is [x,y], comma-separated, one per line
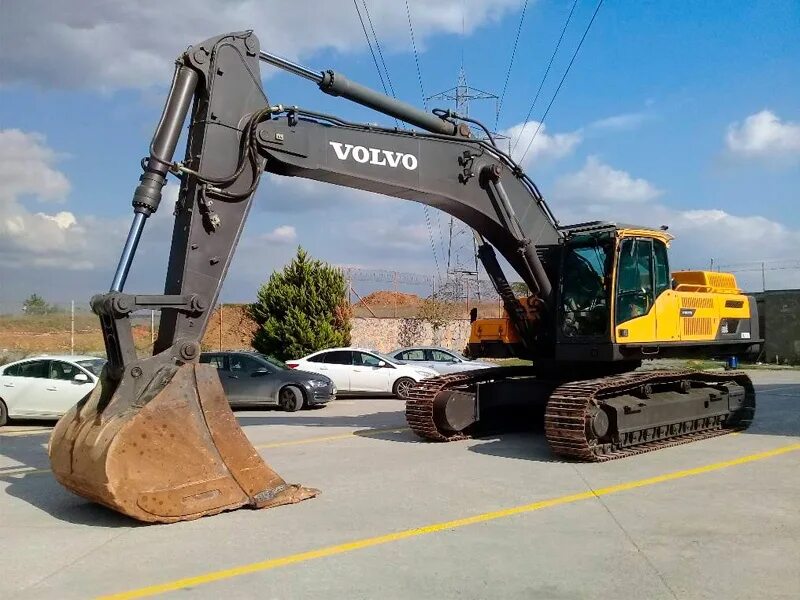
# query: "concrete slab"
[732,532]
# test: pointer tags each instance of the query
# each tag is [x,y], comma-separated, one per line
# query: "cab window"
[584,297]
[412,355]
[634,279]
[661,266]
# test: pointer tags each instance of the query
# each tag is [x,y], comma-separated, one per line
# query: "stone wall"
[779,316]
[388,334]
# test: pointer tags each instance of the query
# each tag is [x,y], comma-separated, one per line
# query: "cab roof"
[625,229]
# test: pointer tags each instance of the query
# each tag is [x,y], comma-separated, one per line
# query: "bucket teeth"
[179,455]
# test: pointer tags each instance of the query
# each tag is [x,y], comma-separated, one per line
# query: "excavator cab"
[617,301]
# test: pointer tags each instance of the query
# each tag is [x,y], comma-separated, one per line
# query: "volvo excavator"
[156,439]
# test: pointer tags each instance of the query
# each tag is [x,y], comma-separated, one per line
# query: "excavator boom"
[156,439]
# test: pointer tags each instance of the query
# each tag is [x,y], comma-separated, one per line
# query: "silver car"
[441,360]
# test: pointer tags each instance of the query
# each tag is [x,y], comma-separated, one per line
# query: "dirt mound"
[389,298]
[237,328]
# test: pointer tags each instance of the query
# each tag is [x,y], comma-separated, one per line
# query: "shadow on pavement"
[40,489]
[529,445]
[777,413]
[318,418]
[777,410]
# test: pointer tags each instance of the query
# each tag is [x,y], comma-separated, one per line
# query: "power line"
[544,77]
[425,105]
[391,87]
[510,64]
[369,43]
[416,56]
[378,45]
[560,83]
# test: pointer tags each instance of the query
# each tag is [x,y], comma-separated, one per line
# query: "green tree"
[520,288]
[301,309]
[35,305]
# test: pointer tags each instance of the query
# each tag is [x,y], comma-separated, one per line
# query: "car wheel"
[3,413]
[402,386]
[290,399]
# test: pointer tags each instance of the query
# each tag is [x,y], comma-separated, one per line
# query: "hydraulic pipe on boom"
[336,84]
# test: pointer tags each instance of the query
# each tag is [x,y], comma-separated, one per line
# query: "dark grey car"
[252,379]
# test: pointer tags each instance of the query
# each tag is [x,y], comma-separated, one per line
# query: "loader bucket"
[174,453]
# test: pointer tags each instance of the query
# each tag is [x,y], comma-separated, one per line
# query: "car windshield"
[93,365]
[274,362]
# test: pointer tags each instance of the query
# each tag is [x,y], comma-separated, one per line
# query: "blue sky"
[681,113]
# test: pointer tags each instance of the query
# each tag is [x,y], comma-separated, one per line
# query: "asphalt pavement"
[498,517]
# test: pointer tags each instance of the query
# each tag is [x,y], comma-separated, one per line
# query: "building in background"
[779,323]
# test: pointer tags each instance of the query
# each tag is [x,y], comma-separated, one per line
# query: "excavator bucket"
[173,453]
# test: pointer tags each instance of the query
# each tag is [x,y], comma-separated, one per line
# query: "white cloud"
[703,234]
[599,184]
[545,146]
[598,192]
[38,239]
[621,122]
[764,135]
[115,43]
[284,234]
[26,167]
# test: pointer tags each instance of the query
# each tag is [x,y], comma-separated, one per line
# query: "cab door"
[668,306]
[634,317]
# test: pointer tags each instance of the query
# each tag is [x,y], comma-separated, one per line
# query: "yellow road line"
[330,438]
[436,527]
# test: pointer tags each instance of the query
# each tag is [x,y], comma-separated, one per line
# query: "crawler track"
[571,405]
[419,404]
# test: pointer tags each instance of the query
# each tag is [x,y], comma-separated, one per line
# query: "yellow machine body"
[698,307]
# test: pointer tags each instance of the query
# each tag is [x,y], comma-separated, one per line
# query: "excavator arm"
[156,439]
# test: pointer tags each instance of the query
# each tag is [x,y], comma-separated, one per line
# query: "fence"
[397,294]
[762,275]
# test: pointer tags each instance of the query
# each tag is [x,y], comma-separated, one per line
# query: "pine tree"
[36,305]
[301,309]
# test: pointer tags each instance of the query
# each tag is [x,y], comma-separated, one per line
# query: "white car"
[360,370]
[45,387]
[441,360]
